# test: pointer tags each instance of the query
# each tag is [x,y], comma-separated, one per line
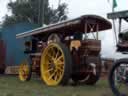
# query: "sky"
[3,8]
[81,7]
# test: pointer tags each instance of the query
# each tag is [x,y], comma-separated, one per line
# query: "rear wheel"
[94,70]
[118,78]
[55,64]
[91,73]
[25,71]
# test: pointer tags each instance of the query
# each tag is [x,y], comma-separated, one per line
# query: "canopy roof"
[120,15]
[81,24]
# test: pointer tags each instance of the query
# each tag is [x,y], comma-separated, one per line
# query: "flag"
[114,3]
[108,0]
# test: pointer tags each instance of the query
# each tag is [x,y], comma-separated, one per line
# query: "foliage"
[125,36]
[32,12]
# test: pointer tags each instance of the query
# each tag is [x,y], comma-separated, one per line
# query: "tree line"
[35,12]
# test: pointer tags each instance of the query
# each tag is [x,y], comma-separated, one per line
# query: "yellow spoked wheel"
[24,71]
[55,64]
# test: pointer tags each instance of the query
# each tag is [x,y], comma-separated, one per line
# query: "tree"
[32,11]
[125,36]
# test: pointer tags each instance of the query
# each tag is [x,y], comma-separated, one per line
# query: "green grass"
[11,86]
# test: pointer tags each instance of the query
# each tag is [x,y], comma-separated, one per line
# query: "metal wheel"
[92,71]
[118,78]
[53,38]
[55,64]
[25,71]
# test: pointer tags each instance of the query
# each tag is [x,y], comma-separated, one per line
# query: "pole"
[43,13]
[114,27]
[39,11]
[59,3]
[97,34]
[120,20]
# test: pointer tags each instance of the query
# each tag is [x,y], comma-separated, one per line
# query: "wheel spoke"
[56,76]
[49,55]
[59,58]
[53,53]
[50,77]
[48,70]
[60,68]
[21,72]
[49,62]
[57,55]
[59,73]
[24,72]
[26,69]
[59,62]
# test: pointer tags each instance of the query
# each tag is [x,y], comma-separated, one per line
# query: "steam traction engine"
[63,51]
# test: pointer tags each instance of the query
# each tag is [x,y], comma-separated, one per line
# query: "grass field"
[11,86]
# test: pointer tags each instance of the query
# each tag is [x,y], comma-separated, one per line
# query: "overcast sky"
[82,7]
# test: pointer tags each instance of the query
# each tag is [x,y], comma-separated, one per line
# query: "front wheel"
[118,78]
[56,64]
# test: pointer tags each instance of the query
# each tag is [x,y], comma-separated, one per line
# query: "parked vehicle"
[118,78]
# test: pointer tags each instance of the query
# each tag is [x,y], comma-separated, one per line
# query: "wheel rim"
[23,71]
[52,64]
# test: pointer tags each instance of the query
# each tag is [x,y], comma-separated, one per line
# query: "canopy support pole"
[85,30]
[120,21]
[97,34]
[113,21]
